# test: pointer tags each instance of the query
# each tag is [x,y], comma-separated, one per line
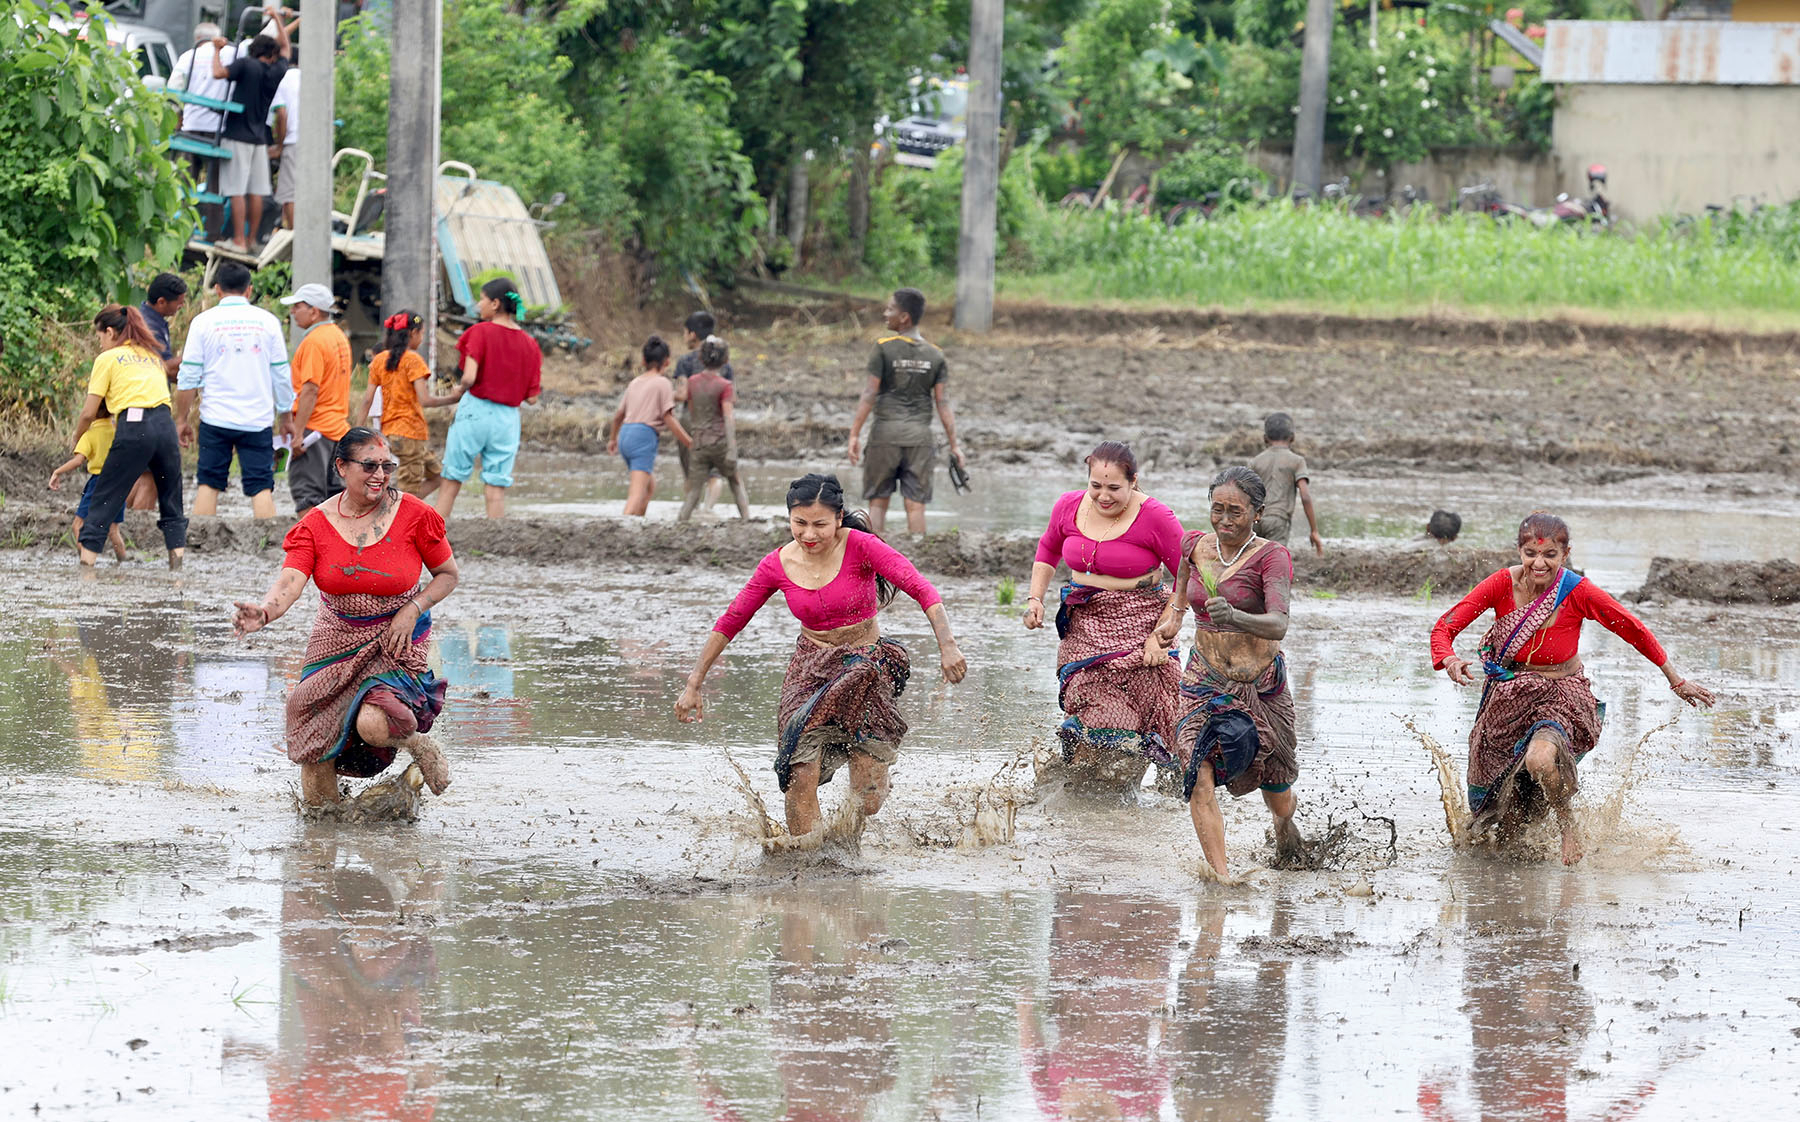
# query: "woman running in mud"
[838,699]
[1116,541]
[1538,716]
[1236,726]
[365,691]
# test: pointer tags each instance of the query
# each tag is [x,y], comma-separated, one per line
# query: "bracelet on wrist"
[1029,599]
[1678,684]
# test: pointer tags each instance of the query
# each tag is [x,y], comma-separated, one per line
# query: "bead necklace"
[1224,564]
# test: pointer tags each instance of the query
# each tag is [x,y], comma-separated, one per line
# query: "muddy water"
[1622,523]
[583,927]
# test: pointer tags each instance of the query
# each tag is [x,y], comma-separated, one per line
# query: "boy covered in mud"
[699,327]
[1283,472]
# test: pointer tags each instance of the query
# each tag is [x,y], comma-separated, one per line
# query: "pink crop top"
[1152,539]
[847,598]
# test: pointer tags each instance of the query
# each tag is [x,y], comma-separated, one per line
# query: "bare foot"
[1290,846]
[1571,843]
[430,758]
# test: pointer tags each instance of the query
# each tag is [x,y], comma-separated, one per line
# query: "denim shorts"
[637,446]
[87,496]
[255,457]
[483,429]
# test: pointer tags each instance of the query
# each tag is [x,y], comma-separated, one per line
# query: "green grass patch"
[1738,271]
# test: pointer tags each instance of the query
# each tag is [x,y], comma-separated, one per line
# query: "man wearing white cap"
[321,416]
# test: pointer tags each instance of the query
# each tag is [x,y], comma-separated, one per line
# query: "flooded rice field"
[585,926]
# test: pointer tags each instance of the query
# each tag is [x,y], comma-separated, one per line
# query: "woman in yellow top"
[400,375]
[128,379]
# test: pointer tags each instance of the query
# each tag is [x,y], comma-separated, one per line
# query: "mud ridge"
[1721,582]
[813,306]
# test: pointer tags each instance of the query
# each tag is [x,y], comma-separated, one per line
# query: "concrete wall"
[1522,173]
[1675,149]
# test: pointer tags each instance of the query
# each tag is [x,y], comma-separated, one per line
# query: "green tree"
[1131,70]
[505,111]
[87,191]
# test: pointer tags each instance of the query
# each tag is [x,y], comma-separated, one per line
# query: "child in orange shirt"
[400,375]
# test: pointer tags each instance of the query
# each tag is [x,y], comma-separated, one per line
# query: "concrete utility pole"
[981,169]
[1315,76]
[409,263]
[311,166]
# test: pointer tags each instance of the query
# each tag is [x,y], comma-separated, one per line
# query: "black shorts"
[910,468]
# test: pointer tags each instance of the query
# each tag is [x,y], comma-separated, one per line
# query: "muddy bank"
[1721,582]
[776,304]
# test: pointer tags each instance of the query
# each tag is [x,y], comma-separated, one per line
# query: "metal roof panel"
[1672,52]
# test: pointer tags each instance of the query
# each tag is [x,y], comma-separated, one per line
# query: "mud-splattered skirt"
[839,700]
[1113,701]
[1244,731]
[1513,711]
[346,668]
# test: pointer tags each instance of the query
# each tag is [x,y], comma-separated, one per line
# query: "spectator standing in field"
[699,326]
[128,382]
[646,410]
[711,405]
[906,385]
[255,76]
[284,141]
[235,359]
[400,376]
[168,292]
[502,369]
[1283,472]
[321,372]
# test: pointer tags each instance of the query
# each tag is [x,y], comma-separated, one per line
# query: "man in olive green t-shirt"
[906,385]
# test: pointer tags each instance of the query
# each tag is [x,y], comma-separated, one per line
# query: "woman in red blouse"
[365,691]
[1538,716]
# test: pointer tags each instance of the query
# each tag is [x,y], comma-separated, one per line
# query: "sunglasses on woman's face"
[377,467]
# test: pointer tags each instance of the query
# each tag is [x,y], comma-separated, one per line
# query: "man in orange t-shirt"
[321,371]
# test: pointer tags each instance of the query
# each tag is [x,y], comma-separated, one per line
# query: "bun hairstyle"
[1543,524]
[1245,480]
[507,293]
[129,322]
[825,490]
[351,444]
[656,352]
[1117,453]
[714,353]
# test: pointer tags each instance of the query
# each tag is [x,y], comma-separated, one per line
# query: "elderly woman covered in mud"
[1117,542]
[1236,726]
[365,692]
[1538,717]
[837,702]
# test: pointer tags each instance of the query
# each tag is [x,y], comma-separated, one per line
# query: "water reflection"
[1231,1015]
[122,670]
[355,960]
[1092,1049]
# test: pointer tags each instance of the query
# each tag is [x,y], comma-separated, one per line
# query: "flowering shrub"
[1387,103]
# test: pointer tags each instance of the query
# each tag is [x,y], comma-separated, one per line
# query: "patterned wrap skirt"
[1243,730]
[347,668]
[839,700]
[1112,699]
[1513,711]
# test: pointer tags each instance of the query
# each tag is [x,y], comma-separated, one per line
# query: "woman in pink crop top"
[1236,723]
[838,699]
[1538,716]
[1116,541]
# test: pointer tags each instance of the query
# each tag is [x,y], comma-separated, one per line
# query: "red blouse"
[1556,642]
[391,567]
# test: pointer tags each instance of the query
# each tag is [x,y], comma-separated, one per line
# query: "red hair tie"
[399,321]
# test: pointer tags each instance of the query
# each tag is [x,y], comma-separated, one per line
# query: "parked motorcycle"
[1593,210]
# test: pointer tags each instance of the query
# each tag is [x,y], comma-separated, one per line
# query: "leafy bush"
[1209,165]
[915,217]
[86,193]
[1131,71]
[1387,103]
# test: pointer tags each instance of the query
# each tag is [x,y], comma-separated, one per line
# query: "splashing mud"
[392,798]
[842,827]
[1452,793]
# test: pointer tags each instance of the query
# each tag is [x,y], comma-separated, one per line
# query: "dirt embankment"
[1721,582]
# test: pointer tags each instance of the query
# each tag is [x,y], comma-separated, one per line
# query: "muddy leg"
[1209,824]
[868,781]
[318,784]
[878,515]
[690,497]
[1289,846]
[372,726]
[915,518]
[117,540]
[1540,761]
[803,798]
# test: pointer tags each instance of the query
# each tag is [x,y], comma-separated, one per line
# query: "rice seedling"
[1006,592]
